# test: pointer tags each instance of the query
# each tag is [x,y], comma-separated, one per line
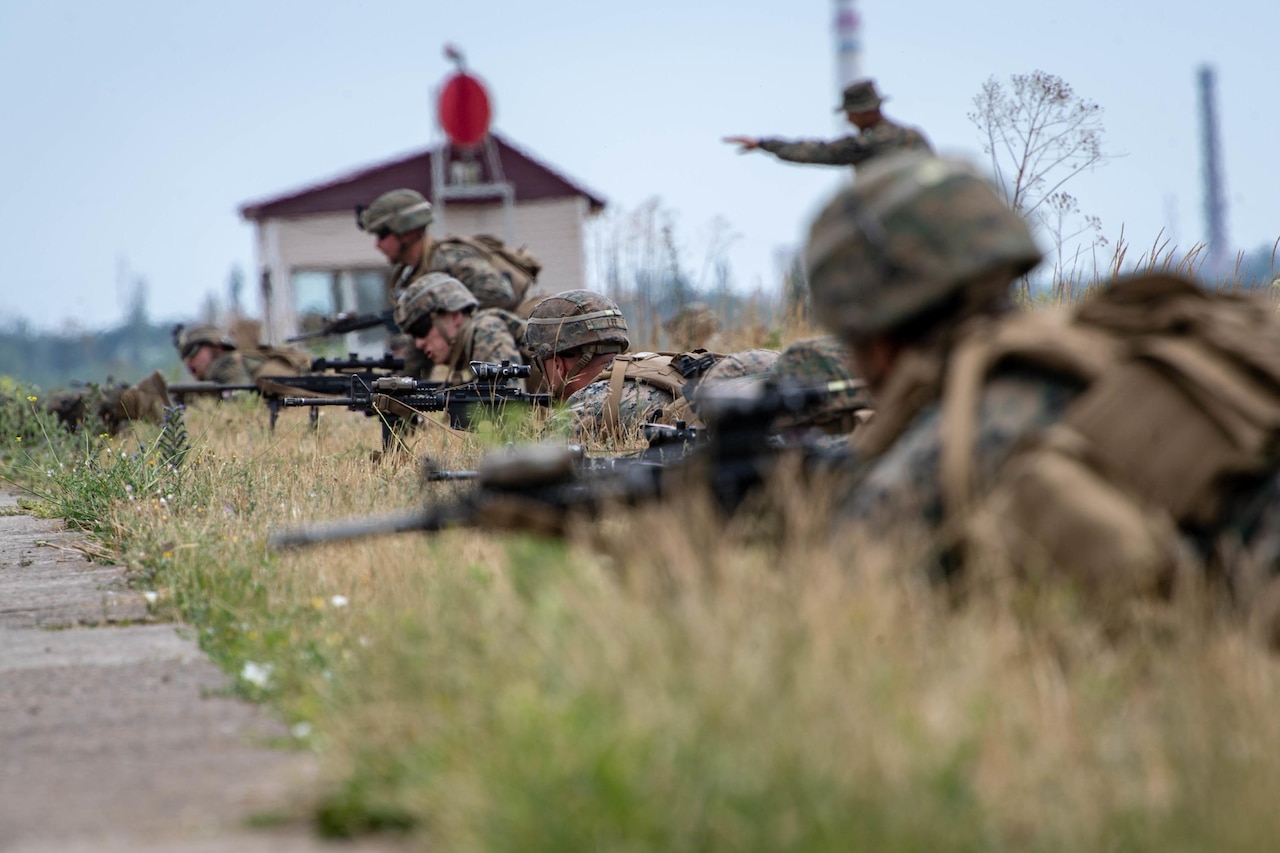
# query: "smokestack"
[848,33]
[1215,204]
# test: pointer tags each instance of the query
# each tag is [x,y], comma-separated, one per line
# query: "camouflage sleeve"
[492,341]
[490,287]
[639,405]
[888,136]
[228,369]
[902,485]
[845,151]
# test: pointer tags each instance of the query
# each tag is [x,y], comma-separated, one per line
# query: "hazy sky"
[132,130]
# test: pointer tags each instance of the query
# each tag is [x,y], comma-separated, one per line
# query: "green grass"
[657,684]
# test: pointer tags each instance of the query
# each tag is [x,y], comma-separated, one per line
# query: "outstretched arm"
[744,143]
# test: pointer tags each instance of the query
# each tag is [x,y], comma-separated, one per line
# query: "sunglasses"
[420,327]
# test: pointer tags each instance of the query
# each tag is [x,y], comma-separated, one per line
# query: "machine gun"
[540,487]
[345,322]
[397,399]
[273,389]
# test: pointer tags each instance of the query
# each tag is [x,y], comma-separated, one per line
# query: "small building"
[314,262]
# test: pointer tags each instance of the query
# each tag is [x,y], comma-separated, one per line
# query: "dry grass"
[660,683]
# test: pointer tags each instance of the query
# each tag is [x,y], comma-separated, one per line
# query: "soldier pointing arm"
[876,134]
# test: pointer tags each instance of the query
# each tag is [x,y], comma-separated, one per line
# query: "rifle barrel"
[354,528]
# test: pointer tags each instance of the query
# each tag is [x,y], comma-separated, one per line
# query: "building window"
[321,293]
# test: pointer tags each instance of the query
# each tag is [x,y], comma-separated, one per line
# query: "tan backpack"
[1180,413]
[280,361]
[669,372]
[517,266]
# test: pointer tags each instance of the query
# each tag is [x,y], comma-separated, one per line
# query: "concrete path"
[117,734]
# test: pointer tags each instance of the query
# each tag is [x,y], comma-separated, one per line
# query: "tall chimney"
[848,32]
[1215,204]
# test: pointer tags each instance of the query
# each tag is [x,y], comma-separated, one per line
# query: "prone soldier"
[441,316]
[578,339]
[825,360]
[1114,445]
[211,355]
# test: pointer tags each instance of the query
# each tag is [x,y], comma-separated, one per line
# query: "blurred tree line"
[640,259]
[57,359]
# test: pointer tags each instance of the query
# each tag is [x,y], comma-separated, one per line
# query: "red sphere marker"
[464,110]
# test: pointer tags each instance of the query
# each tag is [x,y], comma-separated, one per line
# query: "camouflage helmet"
[911,233]
[191,338]
[750,362]
[573,319]
[814,361]
[735,368]
[397,211]
[430,295]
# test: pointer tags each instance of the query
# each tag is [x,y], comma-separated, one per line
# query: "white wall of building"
[552,230]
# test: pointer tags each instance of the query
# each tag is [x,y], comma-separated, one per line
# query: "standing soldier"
[578,338]
[876,135]
[399,220]
[440,314]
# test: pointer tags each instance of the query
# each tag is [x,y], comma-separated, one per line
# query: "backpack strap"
[612,413]
[1047,340]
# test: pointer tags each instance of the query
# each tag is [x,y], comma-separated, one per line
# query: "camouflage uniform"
[236,366]
[639,404]
[903,483]
[403,211]
[471,267]
[587,325]
[883,137]
[244,368]
[488,335]
[484,337]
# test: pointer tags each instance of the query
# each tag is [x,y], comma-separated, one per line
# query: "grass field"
[657,682]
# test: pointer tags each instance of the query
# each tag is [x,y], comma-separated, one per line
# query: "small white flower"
[338,601]
[151,597]
[257,674]
[301,730]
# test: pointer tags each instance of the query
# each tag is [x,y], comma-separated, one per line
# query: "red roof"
[532,180]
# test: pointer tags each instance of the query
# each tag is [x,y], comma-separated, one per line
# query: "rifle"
[665,444]
[353,363]
[341,324]
[540,487]
[396,399]
[273,389]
